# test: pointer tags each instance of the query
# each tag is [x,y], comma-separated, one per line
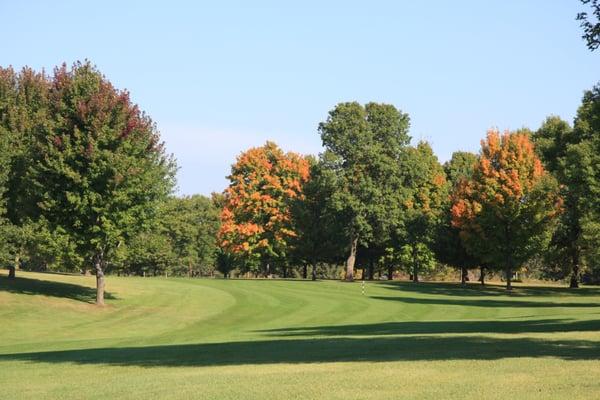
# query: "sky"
[220,77]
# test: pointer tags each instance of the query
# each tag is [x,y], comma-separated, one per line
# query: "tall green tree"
[571,154]
[24,106]
[6,249]
[583,161]
[449,247]
[564,254]
[424,209]
[316,225]
[99,169]
[364,145]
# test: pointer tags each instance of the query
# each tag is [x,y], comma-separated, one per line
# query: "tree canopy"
[256,221]
[98,169]
[364,145]
[506,209]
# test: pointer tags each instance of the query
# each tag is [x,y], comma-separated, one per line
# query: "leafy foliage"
[363,149]
[256,220]
[591,25]
[505,212]
[192,223]
[424,209]
[448,245]
[583,160]
[98,169]
[319,237]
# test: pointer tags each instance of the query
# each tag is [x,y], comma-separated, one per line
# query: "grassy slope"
[181,338]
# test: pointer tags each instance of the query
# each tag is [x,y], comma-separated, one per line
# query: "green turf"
[261,339]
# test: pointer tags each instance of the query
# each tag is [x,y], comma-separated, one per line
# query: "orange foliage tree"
[256,222]
[505,212]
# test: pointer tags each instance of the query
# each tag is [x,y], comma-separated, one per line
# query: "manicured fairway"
[218,339]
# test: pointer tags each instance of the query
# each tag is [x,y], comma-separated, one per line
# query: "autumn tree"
[98,168]
[256,220]
[506,210]
[363,149]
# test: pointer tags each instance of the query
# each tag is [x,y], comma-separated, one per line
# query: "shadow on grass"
[475,289]
[442,327]
[32,286]
[445,301]
[409,348]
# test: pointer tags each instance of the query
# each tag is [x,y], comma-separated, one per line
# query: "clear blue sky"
[220,77]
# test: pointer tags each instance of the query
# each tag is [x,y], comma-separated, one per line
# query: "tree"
[315,221]
[448,245]
[192,224]
[98,169]
[256,220]
[571,154]
[424,209]
[591,26]
[363,149]
[24,105]
[505,212]
[149,252]
[583,170]
[6,249]
[553,141]
[460,167]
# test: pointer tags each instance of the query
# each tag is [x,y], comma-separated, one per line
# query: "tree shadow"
[442,327]
[476,289]
[408,348]
[32,286]
[444,301]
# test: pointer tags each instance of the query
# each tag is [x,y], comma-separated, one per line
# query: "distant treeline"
[86,185]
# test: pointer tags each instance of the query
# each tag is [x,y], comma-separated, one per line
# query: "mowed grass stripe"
[261,339]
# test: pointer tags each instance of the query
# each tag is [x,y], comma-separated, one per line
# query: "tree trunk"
[284,272]
[575,273]
[390,274]
[304,271]
[351,258]
[98,266]
[463,276]
[12,269]
[482,275]
[314,271]
[508,278]
[415,275]
[371,270]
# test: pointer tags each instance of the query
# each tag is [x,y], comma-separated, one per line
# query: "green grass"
[260,339]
